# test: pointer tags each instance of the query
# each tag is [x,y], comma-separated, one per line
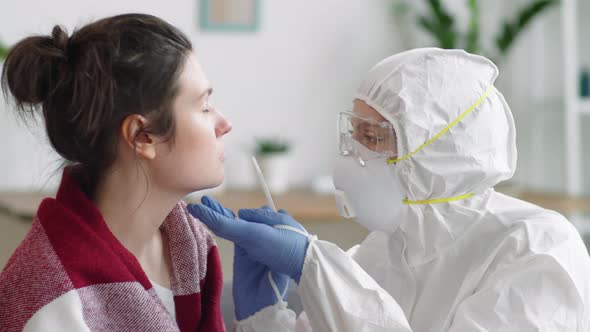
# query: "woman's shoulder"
[35,253]
[33,276]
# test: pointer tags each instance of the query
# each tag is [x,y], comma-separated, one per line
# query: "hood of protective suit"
[422,92]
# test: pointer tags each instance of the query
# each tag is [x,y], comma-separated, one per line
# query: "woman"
[126,104]
[428,138]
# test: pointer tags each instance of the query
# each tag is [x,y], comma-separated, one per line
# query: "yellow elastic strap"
[485,95]
[437,200]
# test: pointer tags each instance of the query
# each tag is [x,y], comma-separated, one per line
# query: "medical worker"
[428,139]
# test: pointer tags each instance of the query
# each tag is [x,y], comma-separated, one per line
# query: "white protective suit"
[489,262]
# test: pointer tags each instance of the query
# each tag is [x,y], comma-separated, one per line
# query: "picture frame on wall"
[229,15]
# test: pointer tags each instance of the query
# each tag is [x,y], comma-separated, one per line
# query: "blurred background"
[282,70]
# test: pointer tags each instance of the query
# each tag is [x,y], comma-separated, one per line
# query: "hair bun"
[60,39]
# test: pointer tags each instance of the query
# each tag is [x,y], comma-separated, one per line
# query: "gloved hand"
[271,238]
[252,288]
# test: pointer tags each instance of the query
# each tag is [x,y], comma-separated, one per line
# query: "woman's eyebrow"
[207,92]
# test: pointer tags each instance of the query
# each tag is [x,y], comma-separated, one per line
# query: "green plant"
[3,51]
[511,30]
[265,146]
[441,25]
[472,43]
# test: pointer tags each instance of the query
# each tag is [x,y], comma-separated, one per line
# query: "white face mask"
[372,194]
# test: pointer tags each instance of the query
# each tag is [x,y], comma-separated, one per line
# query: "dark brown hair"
[88,83]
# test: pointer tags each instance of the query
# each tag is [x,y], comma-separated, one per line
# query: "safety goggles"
[364,138]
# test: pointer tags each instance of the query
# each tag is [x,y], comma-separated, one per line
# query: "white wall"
[540,120]
[292,76]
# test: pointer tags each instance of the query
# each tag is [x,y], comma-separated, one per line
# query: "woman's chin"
[214,183]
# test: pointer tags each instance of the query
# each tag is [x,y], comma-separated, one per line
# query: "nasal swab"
[263,184]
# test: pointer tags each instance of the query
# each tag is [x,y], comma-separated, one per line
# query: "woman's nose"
[223,126]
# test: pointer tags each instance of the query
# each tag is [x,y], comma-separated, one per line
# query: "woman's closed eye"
[207,107]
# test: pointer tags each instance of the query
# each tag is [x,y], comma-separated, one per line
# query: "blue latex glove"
[258,232]
[252,288]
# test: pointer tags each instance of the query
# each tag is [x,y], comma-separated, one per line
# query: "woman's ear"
[134,135]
